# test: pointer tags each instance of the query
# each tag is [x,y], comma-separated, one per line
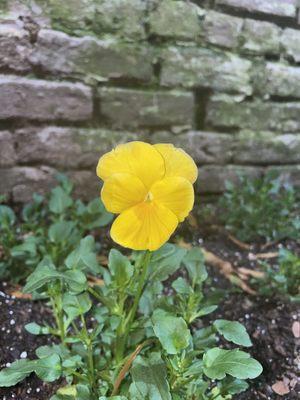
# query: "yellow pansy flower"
[150,186]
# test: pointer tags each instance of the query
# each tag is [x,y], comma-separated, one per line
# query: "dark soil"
[268,321]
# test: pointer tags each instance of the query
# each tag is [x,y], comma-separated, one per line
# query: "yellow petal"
[136,158]
[177,162]
[122,191]
[175,193]
[146,226]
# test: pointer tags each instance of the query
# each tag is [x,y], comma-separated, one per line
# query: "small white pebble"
[12,322]
[10,312]
[8,364]
[38,390]
[247,316]
[23,354]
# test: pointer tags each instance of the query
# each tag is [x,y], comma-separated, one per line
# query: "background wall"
[219,78]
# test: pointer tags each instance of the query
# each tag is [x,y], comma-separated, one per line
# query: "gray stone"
[193,67]
[260,37]
[228,112]
[43,100]
[221,29]
[125,18]
[14,48]
[20,183]
[212,178]
[71,15]
[137,108]
[280,80]
[7,150]
[87,184]
[267,148]
[290,41]
[67,147]
[204,147]
[176,20]
[90,58]
[281,8]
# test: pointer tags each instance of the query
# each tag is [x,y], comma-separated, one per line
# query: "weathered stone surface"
[212,178]
[198,67]
[20,183]
[71,15]
[137,108]
[126,18]
[204,147]
[289,174]
[221,29]
[7,151]
[228,112]
[176,20]
[280,80]
[87,57]
[266,148]
[260,37]
[290,41]
[67,147]
[281,8]
[42,100]
[87,184]
[14,48]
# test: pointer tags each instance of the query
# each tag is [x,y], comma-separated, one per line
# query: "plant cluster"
[50,226]
[124,339]
[282,279]
[261,208]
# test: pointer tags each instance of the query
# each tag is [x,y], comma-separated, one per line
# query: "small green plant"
[124,338]
[261,208]
[283,279]
[49,226]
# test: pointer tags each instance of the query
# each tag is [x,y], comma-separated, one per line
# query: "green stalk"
[124,328]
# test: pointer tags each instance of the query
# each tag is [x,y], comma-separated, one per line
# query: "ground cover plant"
[125,337]
[261,209]
[49,226]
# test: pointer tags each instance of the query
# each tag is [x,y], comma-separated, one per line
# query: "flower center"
[149,197]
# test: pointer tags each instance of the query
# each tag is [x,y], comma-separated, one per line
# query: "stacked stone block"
[220,79]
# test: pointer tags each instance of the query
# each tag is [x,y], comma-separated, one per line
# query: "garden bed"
[269,322]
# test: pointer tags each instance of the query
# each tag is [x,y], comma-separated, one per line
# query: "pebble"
[12,322]
[23,354]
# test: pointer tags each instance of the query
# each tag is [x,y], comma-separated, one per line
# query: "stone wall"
[219,78]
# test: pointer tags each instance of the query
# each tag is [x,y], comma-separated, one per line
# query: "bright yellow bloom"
[150,186]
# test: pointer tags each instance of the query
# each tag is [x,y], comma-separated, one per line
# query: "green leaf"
[7,216]
[36,329]
[181,286]
[165,262]
[59,200]
[171,331]
[84,256]
[233,331]
[48,368]
[120,267]
[194,263]
[76,305]
[60,231]
[219,362]
[18,371]
[204,338]
[76,280]
[149,377]
[44,273]
[233,386]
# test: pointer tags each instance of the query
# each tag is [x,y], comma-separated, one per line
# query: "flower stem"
[124,329]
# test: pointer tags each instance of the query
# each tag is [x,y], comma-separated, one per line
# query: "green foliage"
[282,279]
[262,208]
[49,226]
[125,340]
